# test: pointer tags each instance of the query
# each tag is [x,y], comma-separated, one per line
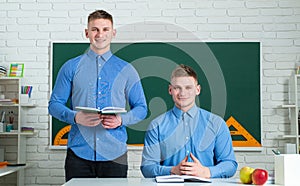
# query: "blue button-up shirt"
[98,81]
[174,135]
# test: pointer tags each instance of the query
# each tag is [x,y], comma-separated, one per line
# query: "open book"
[105,110]
[180,179]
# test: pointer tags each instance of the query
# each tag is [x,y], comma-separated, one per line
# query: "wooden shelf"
[28,133]
[289,106]
[9,105]
[6,77]
[22,105]
[8,133]
[293,106]
[289,136]
[19,111]
[5,170]
[28,105]
[16,133]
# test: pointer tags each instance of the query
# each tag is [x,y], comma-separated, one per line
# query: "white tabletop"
[5,170]
[145,182]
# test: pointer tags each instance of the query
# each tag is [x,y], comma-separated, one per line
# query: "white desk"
[5,170]
[145,182]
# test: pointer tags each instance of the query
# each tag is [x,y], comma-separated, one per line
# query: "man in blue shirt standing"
[96,142]
[188,140]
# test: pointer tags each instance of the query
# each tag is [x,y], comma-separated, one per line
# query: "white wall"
[28,26]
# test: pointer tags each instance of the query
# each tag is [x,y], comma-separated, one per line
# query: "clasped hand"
[92,119]
[194,168]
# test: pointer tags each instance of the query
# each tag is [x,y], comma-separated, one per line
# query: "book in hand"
[180,179]
[105,110]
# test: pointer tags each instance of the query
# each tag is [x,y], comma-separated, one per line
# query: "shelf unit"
[14,143]
[293,106]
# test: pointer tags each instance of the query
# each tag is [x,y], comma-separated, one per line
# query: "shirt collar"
[192,112]
[104,56]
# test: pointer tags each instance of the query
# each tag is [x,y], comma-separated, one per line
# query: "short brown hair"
[184,71]
[100,14]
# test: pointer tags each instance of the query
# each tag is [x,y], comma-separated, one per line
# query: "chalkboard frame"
[128,43]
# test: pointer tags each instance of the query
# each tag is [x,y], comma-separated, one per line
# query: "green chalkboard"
[228,72]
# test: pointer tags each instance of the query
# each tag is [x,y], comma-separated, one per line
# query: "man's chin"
[181,106]
[99,47]
[184,106]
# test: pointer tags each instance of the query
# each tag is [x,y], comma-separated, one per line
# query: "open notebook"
[180,179]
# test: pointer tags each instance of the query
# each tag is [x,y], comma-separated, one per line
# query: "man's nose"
[100,33]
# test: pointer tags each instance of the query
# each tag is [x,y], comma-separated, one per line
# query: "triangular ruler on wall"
[59,140]
[249,141]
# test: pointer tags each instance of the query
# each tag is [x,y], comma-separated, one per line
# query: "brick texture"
[28,26]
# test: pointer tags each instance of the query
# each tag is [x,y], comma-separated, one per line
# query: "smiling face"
[184,91]
[100,33]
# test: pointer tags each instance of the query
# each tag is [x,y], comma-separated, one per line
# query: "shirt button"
[97,139]
[186,138]
[99,77]
[99,92]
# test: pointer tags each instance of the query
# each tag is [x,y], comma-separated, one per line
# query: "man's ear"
[170,89]
[86,33]
[198,89]
[114,32]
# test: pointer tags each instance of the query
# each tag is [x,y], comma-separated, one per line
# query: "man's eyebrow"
[101,27]
[182,85]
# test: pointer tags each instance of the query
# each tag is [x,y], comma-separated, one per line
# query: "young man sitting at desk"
[188,140]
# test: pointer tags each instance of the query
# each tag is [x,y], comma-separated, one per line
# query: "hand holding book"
[108,117]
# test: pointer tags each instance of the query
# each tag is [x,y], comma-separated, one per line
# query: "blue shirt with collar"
[97,81]
[174,135]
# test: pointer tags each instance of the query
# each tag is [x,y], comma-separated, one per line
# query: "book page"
[113,110]
[106,110]
[180,178]
[169,179]
[88,109]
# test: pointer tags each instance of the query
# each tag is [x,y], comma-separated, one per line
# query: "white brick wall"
[27,27]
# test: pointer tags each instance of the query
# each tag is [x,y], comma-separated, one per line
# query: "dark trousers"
[76,167]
